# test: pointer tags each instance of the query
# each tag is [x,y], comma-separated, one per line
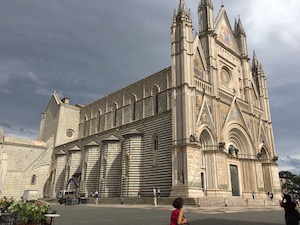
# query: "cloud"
[33,77]
[6,125]
[4,83]
[290,163]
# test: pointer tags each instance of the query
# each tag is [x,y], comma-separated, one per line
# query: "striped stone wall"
[134,143]
[110,168]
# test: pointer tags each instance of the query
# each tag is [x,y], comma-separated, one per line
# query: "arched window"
[115,107]
[133,107]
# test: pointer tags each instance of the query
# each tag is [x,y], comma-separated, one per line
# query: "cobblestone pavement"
[160,215]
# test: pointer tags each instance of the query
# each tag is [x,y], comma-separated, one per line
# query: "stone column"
[90,168]
[110,168]
[131,164]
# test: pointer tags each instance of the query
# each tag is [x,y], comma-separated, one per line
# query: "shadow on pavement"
[226,222]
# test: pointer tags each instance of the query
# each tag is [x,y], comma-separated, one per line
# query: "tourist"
[291,213]
[158,192]
[177,216]
[253,194]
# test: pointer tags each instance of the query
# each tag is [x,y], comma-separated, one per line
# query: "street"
[160,215]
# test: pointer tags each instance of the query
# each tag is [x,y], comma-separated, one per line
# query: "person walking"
[155,196]
[177,215]
[158,192]
[291,213]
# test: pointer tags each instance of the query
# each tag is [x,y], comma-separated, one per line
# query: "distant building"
[201,127]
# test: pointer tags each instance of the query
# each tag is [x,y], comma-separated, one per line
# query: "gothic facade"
[201,127]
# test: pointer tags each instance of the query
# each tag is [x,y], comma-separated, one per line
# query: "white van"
[63,195]
[30,195]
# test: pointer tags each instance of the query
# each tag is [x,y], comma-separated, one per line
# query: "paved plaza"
[160,215]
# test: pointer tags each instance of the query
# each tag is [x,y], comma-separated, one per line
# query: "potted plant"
[30,213]
[5,203]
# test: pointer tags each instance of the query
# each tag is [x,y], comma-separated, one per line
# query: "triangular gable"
[199,60]
[263,134]
[199,100]
[199,69]
[54,100]
[255,96]
[235,115]
[205,115]
[224,31]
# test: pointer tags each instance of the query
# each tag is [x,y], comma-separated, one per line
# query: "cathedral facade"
[201,127]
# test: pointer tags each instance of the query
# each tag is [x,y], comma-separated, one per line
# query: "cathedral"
[199,128]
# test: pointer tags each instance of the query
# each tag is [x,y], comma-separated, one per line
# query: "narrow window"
[156,103]
[155,151]
[85,126]
[133,107]
[33,179]
[202,181]
[156,99]
[99,120]
[115,114]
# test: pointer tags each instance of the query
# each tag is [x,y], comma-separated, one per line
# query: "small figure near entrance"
[154,192]
[291,213]
[177,216]
[96,195]
[253,195]
[158,192]
[139,192]
[155,196]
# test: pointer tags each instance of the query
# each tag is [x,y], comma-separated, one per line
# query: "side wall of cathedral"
[125,144]
[26,166]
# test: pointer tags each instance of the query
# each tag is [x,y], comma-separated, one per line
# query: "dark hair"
[288,198]
[178,203]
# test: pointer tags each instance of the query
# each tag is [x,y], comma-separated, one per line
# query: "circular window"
[70,133]
[225,77]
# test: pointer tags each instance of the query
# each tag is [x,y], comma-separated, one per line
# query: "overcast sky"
[86,49]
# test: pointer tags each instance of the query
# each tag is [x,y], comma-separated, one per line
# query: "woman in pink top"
[177,216]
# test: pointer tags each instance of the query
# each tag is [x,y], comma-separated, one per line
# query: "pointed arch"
[206,137]
[235,135]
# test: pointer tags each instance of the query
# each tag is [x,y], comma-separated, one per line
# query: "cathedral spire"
[205,16]
[240,27]
[254,60]
[205,3]
[240,35]
[182,10]
[182,6]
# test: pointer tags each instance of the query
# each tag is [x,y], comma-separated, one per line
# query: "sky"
[87,49]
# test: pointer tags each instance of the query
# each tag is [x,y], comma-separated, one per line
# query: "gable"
[224,32]
[199,70]
[199,63]
[235,115]
[204,115]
